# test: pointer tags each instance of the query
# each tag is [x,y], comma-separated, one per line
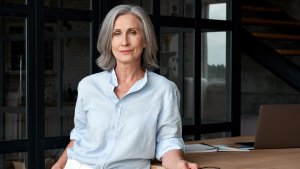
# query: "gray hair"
[106,60]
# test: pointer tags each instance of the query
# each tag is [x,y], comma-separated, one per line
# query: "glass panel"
[51,156]
[146,4]
[13,161]
[216,9]
[215,135]
[13,100]
[13,1]
[67,61]
[181,8]
[177,64]
[77,4]
[215,60]
[188,137]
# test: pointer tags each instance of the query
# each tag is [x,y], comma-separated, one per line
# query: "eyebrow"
[134,28]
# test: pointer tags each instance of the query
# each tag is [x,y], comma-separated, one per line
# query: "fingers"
[192,165]
[187,165]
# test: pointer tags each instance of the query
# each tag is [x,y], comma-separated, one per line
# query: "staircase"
[272,38]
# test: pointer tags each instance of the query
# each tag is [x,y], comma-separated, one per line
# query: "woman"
[126,115]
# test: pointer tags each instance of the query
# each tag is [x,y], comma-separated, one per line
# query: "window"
[182,8]
[68,4]
[215,76]
[14,79]
[146,4]
[216,9]
[15,2]
[71,62]
[177,64]
[13,160]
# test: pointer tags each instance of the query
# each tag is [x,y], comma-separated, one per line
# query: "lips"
[125,52]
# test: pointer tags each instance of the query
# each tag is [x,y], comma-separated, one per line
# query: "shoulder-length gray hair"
[106,60]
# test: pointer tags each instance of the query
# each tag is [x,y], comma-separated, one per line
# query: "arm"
[60,164]
[169,133]
[80,121]
[174,159]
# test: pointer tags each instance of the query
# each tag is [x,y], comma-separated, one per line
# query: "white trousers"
[73,164]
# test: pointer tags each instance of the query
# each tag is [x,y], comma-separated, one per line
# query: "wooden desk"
[254,159]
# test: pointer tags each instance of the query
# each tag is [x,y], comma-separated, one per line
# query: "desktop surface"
[253,159]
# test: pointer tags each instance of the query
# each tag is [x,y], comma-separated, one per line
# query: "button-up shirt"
[113,133]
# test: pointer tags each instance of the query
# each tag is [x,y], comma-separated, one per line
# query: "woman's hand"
[174,159]
[183,164]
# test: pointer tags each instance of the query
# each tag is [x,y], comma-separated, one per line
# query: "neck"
[126,74]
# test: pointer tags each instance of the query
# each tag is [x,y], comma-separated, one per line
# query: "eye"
[116,33]
[132,32]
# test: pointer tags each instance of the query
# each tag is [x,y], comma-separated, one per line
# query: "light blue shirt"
[113,133]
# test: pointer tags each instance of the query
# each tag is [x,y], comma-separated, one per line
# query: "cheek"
[115,42]
[140,44]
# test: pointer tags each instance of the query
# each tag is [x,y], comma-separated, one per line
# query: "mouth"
[125,52]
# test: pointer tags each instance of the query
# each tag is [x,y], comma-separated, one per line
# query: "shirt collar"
[114,80]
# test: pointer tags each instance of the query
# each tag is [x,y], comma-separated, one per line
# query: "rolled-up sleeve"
[80,118]
[169,144]
[169,126]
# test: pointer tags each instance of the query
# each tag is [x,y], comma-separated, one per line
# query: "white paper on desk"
[229,148]
[199,148]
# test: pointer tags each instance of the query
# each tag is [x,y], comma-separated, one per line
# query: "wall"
[259,86]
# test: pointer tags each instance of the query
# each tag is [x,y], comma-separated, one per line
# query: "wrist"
[58,165]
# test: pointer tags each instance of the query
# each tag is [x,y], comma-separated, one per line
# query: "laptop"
[278,127]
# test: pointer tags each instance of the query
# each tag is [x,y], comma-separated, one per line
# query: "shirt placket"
[112,133]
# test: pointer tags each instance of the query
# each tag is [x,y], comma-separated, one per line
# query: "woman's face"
[128,40]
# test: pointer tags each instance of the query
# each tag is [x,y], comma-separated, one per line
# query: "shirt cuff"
[169,144]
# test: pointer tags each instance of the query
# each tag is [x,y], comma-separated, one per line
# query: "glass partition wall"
[196,42]
[218,63]
[14,79]
[13,115]
[177,64]
[45,50]
[215,79]
[48,46]
[67,52]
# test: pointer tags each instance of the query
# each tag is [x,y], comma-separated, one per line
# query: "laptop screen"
[278,127]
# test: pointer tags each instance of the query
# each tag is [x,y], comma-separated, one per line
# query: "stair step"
[276,36]
[260,9]
[288,52]
[265,22]
[260,3]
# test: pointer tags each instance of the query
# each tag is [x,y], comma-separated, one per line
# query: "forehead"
[127,20]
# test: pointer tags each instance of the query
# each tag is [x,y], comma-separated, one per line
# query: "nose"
[125,41]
